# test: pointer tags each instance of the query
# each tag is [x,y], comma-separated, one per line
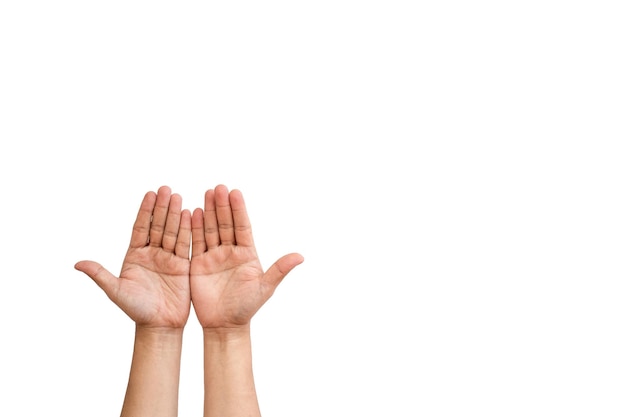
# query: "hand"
[228,285]
[153,286]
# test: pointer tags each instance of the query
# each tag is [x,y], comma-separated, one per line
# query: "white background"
[453,173]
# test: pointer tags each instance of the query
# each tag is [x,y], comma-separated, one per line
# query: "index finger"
[243,229]
[141,228]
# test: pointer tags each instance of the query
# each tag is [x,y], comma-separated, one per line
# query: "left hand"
[228,284]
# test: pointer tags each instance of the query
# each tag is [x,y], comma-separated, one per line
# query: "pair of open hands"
[222,276]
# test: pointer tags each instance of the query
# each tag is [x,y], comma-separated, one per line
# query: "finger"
[243,230]
[211,232]
[159,216]
[275,274]
[141,228]
[184,235]
[198,242]
[172,223]
[224,216]
[105,280]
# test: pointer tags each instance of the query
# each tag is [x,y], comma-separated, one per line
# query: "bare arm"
[153,290]
[228,286]
[154,374]
[229,388]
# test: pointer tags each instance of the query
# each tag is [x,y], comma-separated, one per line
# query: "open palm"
[153,286]
[228,284]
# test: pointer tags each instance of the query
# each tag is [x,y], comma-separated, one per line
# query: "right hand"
[153,286]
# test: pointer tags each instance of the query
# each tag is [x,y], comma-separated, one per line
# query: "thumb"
[279,270]
[102,277]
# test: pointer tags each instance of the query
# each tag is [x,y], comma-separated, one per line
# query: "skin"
[153,290]
[159,281]
[228,286]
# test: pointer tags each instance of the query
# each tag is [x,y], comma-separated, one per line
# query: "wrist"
[159,330]
[159,338]
[226,334]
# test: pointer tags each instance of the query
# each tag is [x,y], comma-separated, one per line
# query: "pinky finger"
[184,235]
[198,242]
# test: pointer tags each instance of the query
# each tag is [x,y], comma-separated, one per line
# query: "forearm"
[154,374]
[229,389]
